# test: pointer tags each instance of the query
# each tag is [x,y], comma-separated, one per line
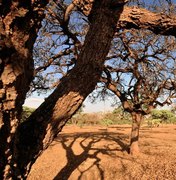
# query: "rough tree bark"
[134,140]
[136,114]
[38,132]
[19,23]
[138,18]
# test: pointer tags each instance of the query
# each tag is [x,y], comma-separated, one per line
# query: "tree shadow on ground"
[88,142]
[120,128]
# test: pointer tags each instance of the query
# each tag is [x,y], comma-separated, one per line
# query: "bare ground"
[99,153]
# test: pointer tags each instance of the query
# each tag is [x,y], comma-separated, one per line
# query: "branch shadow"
[88,143]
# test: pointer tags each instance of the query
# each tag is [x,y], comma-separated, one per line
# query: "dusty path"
[99,153]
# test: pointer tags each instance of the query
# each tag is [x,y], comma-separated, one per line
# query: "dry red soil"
[99,153]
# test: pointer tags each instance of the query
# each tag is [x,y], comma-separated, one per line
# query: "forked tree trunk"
[134,141]
[19,23]
[38,132]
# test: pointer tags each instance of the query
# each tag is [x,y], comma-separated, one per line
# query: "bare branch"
[51,60]
[68,12]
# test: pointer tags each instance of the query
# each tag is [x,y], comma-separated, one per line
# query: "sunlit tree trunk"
[38,132]
[18,29]
[134,140]
[15,80]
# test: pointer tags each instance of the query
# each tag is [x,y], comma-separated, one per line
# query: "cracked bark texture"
[19,23]
[137,18]
[137,118]
[35,135]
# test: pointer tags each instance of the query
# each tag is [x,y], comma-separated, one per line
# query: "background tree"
[140,71]
[165,116]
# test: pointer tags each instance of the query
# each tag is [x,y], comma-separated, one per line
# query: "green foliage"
[27,111]
[153,122]
[106,122]
[118,111]
[85,119]
[99,119]
[172,120]
[173,109]
[113,118]
[164,115]
[118,116]
[156,114]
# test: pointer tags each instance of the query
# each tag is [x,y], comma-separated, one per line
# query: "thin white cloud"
[99,106]
[33,102]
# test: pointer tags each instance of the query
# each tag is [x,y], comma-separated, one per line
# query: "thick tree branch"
[138,18]
[112,86]
[38,132]
[52,59]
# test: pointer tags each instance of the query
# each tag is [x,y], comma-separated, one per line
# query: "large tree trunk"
[18,30]
[134,141]
[38,132]
[14,85]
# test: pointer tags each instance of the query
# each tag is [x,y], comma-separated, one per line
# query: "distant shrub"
[106,122]
[156,114]
[86,119]
[123,121]
[118,116]
[154,122]
[164,115]
[27,111]
[172,120]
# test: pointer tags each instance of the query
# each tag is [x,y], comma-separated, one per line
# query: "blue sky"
[35,101]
